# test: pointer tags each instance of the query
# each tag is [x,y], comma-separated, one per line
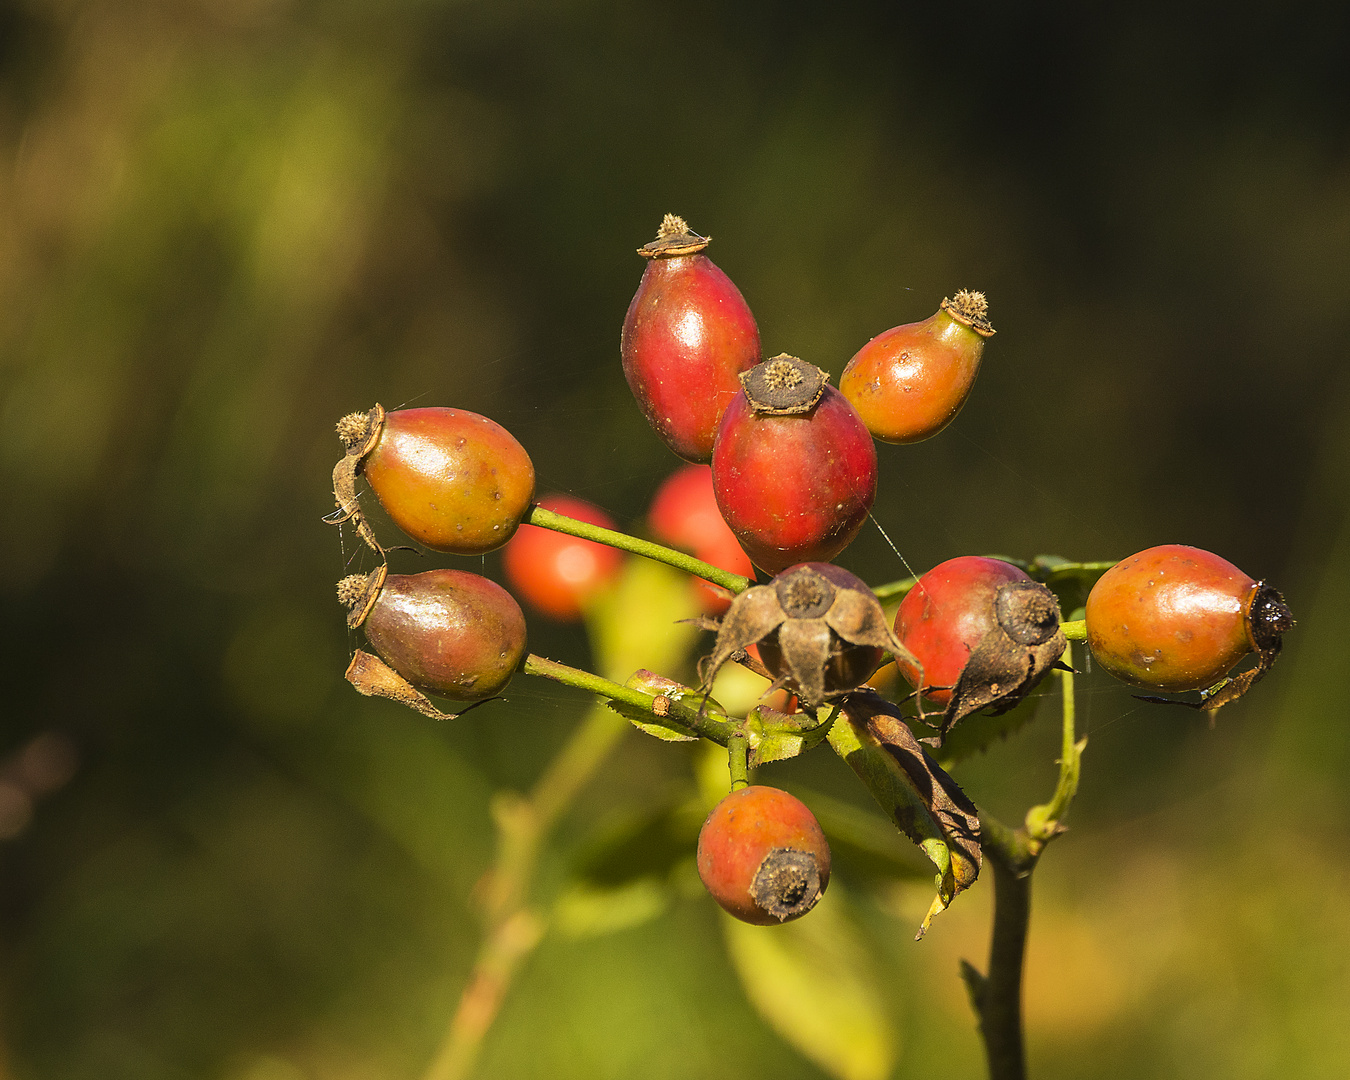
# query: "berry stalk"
[705,721]
[548,519]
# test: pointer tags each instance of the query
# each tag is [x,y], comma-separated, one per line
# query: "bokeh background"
[224,224]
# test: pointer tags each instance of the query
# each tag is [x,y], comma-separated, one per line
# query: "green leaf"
[776,736]
[812,982]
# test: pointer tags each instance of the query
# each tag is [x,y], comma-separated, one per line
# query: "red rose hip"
[763,857]
[794,469]
[984,632]
[687,335]
[447,632]
[449,478]
[1176,618]
[909,382]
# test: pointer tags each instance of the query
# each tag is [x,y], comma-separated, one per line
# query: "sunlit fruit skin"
[1171,618]
[451,479]
[448,632]
[749,827]
[557,574]
[909,382]
[946,615]
[794,488]
[684,515]
[687,335]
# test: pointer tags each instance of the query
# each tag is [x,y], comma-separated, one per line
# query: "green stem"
[1075,631]
[997,996]
[547,519]
[689,712]
[738,761]
[1043,822]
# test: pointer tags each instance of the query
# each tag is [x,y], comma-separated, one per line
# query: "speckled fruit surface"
[451,479]
[1171,618]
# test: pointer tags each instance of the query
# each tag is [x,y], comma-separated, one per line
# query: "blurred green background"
[225,224]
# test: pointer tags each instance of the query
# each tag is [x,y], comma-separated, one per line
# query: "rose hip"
[794,469]
[687,335]
[1176,618]
[910,382]
[763,856]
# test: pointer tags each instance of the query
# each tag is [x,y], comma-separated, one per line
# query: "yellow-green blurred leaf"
[636,624]
[812,982]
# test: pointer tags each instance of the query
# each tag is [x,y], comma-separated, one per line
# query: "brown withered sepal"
[821,631]
[1013,656]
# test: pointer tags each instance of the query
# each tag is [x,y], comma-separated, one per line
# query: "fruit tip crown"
[674,237]
[784,385]
[970,308]
[352,428]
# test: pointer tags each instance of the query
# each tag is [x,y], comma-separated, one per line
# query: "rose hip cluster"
[781,475]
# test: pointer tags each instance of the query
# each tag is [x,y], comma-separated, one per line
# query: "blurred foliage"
[226,224]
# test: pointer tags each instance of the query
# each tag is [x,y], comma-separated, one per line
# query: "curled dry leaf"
[924,802]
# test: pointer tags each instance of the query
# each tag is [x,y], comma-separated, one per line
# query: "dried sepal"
[1010,659]
[821,631]
[359,433]
[373,677]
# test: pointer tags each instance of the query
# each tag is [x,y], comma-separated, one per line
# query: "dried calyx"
[971,309]
[784,386]
[674,238]
[359,433]
[787,883]
[358,593]
[1011,658]
[820,629]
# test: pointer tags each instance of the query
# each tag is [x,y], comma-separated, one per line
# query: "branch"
[548,519]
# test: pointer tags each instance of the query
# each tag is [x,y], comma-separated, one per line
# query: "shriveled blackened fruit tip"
[784,386]
[804,594]
[970,308]
[787,883]
[1027,611]
[674,237]
[1268,617]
